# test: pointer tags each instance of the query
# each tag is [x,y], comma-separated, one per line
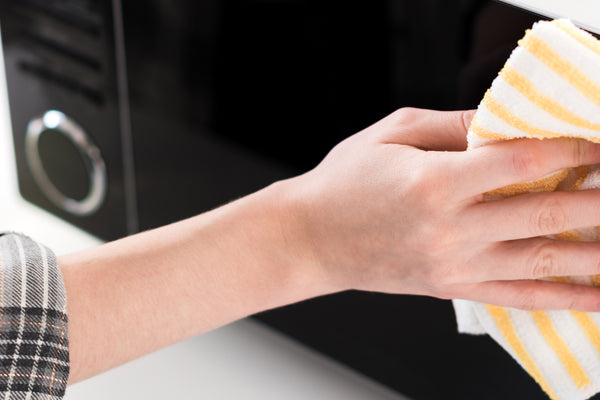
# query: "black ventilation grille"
[37,39]
[80,14]
[62,42]
[73,85]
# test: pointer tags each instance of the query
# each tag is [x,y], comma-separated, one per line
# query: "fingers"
[531,215]
[428,129]
[501,164]
[535,259]
[536,295]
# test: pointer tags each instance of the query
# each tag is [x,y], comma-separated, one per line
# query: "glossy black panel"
[184,163]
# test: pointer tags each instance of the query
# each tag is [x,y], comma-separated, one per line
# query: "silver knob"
[56,121]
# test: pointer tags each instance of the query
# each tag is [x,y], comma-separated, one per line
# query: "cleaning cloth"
[549,87]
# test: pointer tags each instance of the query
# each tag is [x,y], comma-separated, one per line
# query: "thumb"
[429,129]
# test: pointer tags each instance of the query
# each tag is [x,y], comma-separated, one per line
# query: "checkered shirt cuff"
[34,353]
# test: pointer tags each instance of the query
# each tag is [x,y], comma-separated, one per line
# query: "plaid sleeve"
[34,354]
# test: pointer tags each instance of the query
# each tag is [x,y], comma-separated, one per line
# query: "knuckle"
[406,116]
[416,179]
[545,262]
[527,162]
[431,184]
[419,183]
[550,217]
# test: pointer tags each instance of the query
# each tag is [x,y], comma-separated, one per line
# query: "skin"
[396,208]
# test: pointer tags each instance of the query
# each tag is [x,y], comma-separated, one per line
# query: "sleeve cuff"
[34,350]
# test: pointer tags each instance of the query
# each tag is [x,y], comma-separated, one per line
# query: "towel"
[549,87]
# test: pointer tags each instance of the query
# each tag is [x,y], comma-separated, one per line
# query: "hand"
[388,210]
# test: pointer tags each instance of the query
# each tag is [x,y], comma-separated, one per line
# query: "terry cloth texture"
[34,355]
[549,87]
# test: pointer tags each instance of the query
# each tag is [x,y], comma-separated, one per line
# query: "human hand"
[399,208]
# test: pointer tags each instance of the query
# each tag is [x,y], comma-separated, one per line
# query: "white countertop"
[245,360]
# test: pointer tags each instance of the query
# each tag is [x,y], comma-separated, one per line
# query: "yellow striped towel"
[549,87]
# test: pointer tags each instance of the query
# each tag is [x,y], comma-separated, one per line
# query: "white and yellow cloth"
[549,87]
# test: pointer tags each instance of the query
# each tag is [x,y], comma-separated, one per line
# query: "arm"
[141,293]
[385,211]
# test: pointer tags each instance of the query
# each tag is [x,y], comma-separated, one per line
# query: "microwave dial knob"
[57,122]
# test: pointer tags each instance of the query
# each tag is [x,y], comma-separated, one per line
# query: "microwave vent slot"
[77,14]
[64,50]
[72,85]
[61,44]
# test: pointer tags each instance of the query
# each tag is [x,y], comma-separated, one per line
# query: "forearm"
[141,293]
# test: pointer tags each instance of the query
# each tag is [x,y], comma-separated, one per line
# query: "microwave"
[130,115]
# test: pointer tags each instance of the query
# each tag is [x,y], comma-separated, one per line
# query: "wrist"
[292,257]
